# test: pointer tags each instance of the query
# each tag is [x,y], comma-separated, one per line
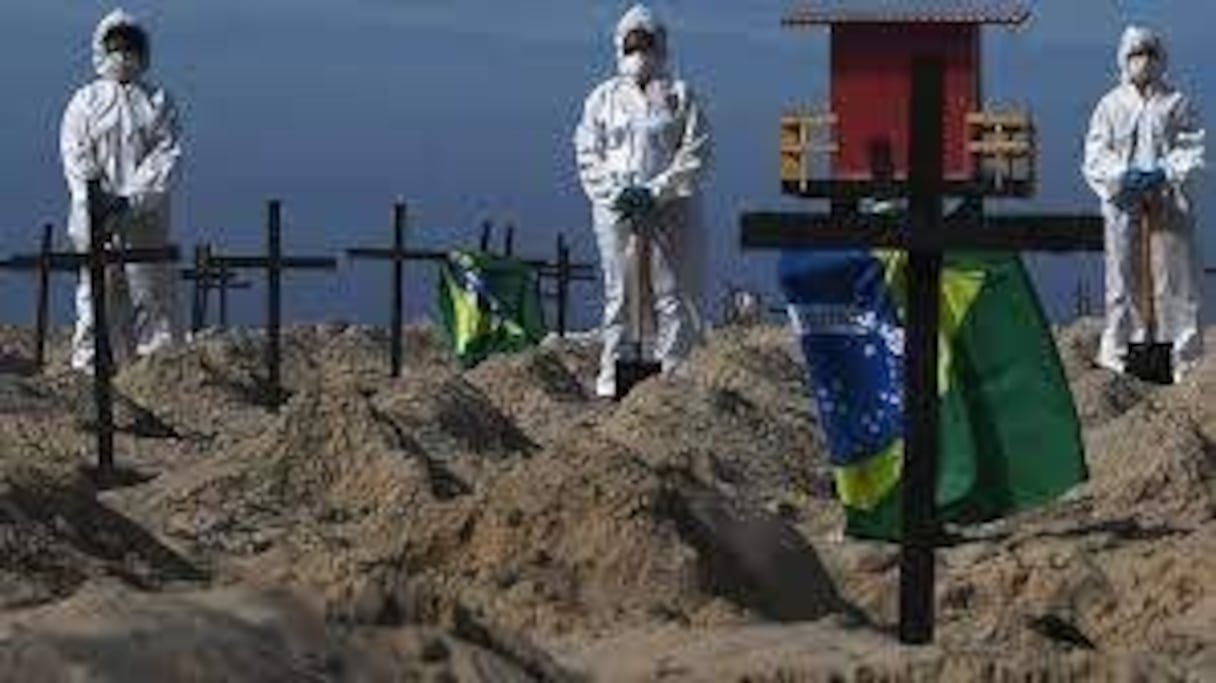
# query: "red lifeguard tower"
[865,128]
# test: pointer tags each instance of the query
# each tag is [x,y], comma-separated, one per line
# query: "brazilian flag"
[1010,438]
[488,304]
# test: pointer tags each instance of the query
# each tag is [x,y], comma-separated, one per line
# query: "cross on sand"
[925,233]
[41,264]
[98,260]
[274,263]
[206,278]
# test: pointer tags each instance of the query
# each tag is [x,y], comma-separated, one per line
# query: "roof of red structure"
[820,12]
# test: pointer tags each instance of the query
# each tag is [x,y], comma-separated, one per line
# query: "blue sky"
[466,109]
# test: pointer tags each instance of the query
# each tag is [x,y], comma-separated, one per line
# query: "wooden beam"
[62,261]
[43,304]
[843,188]
[274,299]
[919,486]
[792,230]
[103,358]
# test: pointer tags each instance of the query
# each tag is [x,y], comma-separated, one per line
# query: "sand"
[502,524]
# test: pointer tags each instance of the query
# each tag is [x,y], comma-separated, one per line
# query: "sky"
[338,107]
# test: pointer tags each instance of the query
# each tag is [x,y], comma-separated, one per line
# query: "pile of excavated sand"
[107,632]
[434,488]
[535,532]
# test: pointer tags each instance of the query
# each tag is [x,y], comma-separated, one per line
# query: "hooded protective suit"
[125,133]
[1145,124]
[652,136]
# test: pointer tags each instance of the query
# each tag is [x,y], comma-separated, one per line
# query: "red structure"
[873,45]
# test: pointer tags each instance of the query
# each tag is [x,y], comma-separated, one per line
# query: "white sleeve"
[1103,169]
[590,142]
[1185,156]
[75,146]
[155,172]
[691,157]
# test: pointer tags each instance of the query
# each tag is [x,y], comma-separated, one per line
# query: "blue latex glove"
[1131,184]
[634,202]
[1153,179]
[1137,182]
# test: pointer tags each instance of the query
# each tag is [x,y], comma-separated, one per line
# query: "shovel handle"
[640,301]
[1149,223]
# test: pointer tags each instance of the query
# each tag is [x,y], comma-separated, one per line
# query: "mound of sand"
[743,397]
[505,518]
[106,632]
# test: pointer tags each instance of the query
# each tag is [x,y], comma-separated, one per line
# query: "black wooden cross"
[487,233]
[508,241]
[41,263]
[398,255]
[273,263]
[925,234]
[1083,303]
[97,260]
[563,273]
[207,277]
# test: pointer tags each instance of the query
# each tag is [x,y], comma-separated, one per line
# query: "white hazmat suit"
[126,134]
[652,135]
[1146,124]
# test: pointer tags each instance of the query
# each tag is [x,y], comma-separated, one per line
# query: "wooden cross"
[207,277]
[397,254]
[563,273]
[273,264]
[1082,299]
[97,260]
[41,263]
[925,234]
[508,243]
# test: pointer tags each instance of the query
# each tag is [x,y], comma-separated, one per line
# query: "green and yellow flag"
[488,304]
[1010,437]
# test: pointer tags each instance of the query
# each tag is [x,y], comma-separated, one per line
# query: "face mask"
[121,66]
[1144,67]
[637,65]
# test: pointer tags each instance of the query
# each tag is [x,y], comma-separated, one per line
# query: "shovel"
[634,368]
[1150,360]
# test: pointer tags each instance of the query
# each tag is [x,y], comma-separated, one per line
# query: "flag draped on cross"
[1010,437]
[488,304]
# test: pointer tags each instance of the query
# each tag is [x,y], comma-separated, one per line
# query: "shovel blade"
[630,373]
[1151,362]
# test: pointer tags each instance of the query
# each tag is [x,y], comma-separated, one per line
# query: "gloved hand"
[113,205]
[1130,183]
[1153,179]
[1136,182]
[634,202]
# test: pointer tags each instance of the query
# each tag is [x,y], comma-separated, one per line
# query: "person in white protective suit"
[123,129]
[1145,142]
[641,149]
